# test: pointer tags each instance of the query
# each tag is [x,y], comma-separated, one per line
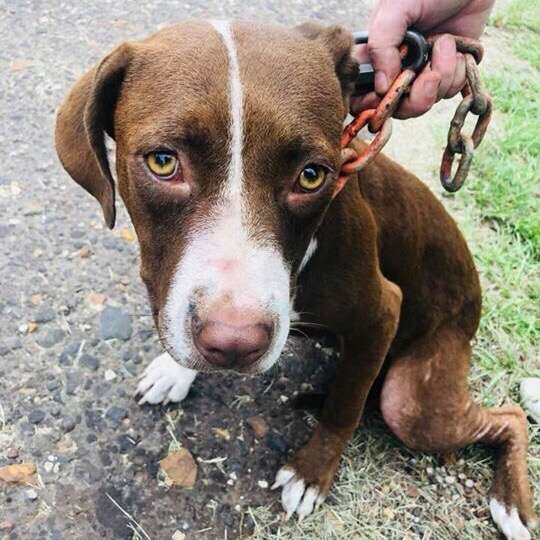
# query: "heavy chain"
[475,100]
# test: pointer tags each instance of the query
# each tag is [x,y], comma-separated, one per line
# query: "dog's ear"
[82,120]
[338,42]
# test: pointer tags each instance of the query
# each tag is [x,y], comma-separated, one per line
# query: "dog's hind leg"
[426,402]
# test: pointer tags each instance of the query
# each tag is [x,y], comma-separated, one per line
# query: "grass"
[383,491]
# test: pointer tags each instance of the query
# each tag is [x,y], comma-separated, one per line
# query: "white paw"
[164,380]
[508,521]
[530,396]
[296,496]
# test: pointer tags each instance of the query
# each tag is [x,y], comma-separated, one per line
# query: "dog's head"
[227,156]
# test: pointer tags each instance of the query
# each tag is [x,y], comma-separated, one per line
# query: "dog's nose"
[231,338]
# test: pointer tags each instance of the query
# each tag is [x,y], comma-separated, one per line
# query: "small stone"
[31,494]
[258,425]
[461,476]
[89,361]
[85,252]
[48,466]
[262,484]
[469,484]
[180,468]
[12,453]
[114,324]
[31,327]
[51,338]
[116,414]
[222,433]
[96,299]
[44,314]
[283,399]
[430,471]
[450,479]
[36,416]
[178,535]
[68,424]
[110,375]
[7,526]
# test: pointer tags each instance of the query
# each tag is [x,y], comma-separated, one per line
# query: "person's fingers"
[422,96]
[444,62]
[386,31]
[459,77]
[367,101]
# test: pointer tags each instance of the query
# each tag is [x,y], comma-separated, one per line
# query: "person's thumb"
[386,32]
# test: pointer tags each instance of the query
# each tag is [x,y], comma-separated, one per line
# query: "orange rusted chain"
[475,101]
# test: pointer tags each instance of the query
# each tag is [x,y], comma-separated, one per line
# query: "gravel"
[58,349]
[114,324]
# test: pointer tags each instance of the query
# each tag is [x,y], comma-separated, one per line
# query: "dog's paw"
[296,495]
[307,479]
[508,521]
[164,380]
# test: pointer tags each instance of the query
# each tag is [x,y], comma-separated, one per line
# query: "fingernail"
[381,82]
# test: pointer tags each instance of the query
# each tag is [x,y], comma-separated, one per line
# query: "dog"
[228,160]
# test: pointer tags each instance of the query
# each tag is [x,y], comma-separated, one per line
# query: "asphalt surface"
[76,328]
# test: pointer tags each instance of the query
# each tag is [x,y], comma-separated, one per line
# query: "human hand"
[444,76]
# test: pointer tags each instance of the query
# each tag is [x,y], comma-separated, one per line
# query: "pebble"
[450,479]
[12,452]
[430,471]
[10,344]
[31,494]
[89,361]
[178,535]
[469,483]
[7,526]
[258,425]
[44,314]
[68,424]
[110,375]
[51,338]
[262,484]
[116,414]
[36,416]
[114,324]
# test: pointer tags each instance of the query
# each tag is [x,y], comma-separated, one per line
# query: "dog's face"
[228,154]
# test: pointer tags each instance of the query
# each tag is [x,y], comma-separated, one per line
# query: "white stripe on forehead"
[234,184]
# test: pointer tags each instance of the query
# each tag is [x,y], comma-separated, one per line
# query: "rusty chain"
[475,101]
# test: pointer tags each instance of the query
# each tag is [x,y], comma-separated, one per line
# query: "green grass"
[505,183]
[523,16]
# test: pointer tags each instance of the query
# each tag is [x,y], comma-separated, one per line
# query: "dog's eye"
[312,177]
[162,163]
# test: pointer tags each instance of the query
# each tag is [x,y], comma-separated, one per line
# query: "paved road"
[65,389]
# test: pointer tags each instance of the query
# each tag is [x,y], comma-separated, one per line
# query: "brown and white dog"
[228,158]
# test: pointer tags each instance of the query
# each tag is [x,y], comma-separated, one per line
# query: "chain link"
[475,101]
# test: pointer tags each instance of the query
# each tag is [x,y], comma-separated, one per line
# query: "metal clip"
[416,54]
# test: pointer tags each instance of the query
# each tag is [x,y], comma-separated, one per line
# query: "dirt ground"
[76,328]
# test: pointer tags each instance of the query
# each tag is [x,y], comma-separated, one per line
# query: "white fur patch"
[296,496]
[508,521]
[164,380]
[312,248]
[222,261]
[530,396]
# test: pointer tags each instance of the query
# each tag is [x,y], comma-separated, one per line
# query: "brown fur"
[392,275]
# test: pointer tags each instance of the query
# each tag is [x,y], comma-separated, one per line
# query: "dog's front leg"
[307,478]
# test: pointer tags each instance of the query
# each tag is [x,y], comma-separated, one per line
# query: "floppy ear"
[82,120]
[338,42]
